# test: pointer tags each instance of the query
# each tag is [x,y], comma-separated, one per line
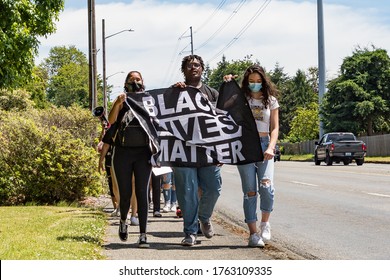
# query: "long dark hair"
[128,76]
[268,88]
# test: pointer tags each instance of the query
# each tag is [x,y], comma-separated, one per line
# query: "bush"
[43,163]
[78,121]
[17,100]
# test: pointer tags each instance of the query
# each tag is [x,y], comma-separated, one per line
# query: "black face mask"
[134,87]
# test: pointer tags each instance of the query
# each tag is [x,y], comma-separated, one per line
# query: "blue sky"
[283,32]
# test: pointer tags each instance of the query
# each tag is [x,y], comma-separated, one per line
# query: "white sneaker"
[265,231]
[255,241]
[166,208]
[173,208]
[134,221]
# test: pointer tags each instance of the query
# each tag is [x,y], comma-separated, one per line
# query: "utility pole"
[92,55]
[321,58]
[192,41]
[104,37]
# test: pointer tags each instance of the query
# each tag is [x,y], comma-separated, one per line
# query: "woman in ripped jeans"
[258,178]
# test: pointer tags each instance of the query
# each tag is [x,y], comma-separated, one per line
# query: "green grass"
[310,157]
[307,157]
[51,233]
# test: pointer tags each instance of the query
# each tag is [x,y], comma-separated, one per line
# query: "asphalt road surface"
[323,212]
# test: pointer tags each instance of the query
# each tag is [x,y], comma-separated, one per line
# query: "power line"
[212,15]
[223,25]
[175,57]
[242,31]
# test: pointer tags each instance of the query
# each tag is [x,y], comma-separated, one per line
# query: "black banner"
[186,130]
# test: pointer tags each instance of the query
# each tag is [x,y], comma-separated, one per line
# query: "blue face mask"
[255,87]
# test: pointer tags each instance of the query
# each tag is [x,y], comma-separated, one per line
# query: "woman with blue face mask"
[257,179]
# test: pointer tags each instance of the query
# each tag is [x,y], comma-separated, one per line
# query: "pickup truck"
[339,147]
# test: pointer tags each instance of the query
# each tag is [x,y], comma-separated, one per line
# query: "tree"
[305,125]
[22,22]
[235,67]
[67,72]
[359,99]
[296,92]
[282,82]
[37,88]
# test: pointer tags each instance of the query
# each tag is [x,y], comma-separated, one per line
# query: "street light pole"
[104,68]
[104,37]
[321,58]
[114,74]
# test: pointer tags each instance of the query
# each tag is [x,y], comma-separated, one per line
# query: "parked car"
[339,147]
[277,153]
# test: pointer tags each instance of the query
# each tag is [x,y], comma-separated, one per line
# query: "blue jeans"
[188,180]
[257,177]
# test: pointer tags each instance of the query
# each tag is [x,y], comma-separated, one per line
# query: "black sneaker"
[123,233]
[142,241]
[189,240]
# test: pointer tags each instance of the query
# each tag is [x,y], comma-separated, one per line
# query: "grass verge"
[51,233]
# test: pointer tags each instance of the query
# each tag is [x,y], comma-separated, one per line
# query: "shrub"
[78,121]
[16,100]
[43,163]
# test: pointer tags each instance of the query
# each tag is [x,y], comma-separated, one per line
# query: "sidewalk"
[165,235]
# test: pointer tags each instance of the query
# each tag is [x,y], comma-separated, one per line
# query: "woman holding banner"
[131,155]
[259,177]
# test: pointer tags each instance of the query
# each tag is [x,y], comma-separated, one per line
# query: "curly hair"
[268,88]
[190,58]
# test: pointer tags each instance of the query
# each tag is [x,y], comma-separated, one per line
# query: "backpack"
[130,133]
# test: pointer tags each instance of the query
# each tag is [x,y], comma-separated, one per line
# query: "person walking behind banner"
[131,155]
[156,194]
[105,151]
[114,192]
[259,177]
[169,192]
[188,179]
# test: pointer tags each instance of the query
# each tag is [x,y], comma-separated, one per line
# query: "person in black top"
[197,205]
[131,155]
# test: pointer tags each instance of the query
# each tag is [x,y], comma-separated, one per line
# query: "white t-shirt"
[261,114]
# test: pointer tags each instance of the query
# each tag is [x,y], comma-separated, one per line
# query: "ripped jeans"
[257,178]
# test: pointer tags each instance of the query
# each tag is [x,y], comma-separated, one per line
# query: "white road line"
[306,184]
[378,194]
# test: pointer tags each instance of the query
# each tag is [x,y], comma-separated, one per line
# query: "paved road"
[323,212]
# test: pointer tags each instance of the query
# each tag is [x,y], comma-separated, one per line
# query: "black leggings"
[156,192]
[107,165]
[125,162]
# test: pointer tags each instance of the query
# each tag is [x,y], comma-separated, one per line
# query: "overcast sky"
[275,31]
